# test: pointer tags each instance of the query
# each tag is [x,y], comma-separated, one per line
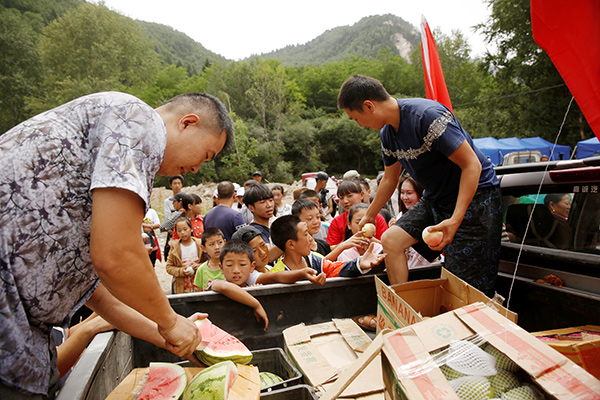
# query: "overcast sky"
[237,29]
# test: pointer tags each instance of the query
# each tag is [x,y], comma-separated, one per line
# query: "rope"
[535,204]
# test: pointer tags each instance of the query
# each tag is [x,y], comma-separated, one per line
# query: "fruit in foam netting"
[368,230]
[503,381]
[472,388]
[432,239]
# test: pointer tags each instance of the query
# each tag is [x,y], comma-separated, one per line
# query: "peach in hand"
[368,230]
[432,239]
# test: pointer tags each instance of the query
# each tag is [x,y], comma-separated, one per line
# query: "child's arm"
[292,277]
[353,268]
[236,293]
[356,240]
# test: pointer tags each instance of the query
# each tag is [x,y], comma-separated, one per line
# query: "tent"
[494,149]
[588,148]
[561,151]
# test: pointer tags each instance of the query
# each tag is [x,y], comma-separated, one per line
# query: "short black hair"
[211,110]
[236,246]
[183,197]
[210,232]
[257,193]
[278,187]
[173,177]
[309,193]
[349,186]
[250,182]
[225,190]
[302,204]
[359,88]
[283,229]
[354,209]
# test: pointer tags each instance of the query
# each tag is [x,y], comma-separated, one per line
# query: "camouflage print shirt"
[49,166]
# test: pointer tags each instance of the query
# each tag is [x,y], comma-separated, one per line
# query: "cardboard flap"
[356,338]
[358,379]
[550,369]
[317,369]
[296,334]
[414,367]
[247,384]
[322,329]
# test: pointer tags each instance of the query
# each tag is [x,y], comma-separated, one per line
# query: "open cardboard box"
[411,302]
[583,349]
[410,373]
[245,387]
[323,351]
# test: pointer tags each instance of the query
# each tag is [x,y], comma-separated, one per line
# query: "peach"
[368,230]
[432,239]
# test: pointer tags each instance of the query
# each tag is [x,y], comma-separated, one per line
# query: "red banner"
[569,32]
[435,85]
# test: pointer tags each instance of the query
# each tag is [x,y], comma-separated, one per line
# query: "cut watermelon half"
[214,382]
[217,345]
[165,381]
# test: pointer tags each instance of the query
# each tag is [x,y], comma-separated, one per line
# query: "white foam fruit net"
[469,359]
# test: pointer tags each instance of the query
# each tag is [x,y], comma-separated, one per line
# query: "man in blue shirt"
[461,197]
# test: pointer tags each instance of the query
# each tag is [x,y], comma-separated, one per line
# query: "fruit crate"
[274,360]
[298,392]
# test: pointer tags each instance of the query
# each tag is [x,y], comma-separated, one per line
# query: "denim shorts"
[474,253]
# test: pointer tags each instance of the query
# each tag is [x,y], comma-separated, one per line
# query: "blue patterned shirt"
[49,166]
[428,134]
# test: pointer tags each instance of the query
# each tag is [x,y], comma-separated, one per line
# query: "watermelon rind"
[165,381]
[218,346]
[269,379]
[212,383]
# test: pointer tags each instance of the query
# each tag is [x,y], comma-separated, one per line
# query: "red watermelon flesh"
[217,345]
[165,381]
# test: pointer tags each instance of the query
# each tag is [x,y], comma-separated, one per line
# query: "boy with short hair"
[462,197]
[309,212]
[212,241]
[238,267]
[260,249]
[291,236]
[259,200]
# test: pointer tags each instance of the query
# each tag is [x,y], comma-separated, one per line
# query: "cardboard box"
[583,350]
[410,373]
[245,387]
[411,302]
[324,351]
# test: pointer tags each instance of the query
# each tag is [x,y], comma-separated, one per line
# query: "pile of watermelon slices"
[220,351]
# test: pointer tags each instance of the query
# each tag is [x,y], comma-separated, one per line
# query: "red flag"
[435,85]
[569,32]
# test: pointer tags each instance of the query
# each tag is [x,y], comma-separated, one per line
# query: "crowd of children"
[225,251]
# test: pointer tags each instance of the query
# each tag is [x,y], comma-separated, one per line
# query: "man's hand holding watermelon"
[183,336]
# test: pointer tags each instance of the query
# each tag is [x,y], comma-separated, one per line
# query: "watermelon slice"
[217,345]
[165,381]
[212,383]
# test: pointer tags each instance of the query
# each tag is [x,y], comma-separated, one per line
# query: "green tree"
[19,67]
[90,49]
[527,85]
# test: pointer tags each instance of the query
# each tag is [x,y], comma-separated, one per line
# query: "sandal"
[367,322]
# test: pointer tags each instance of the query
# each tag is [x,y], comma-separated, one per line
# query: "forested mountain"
[283,103]
[367,37]
[177,48]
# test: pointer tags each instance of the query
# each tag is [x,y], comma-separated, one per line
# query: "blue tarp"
[561,151]
[496,149]
[588,148]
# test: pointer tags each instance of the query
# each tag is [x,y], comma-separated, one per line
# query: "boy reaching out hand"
[291,235]
[237,265]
